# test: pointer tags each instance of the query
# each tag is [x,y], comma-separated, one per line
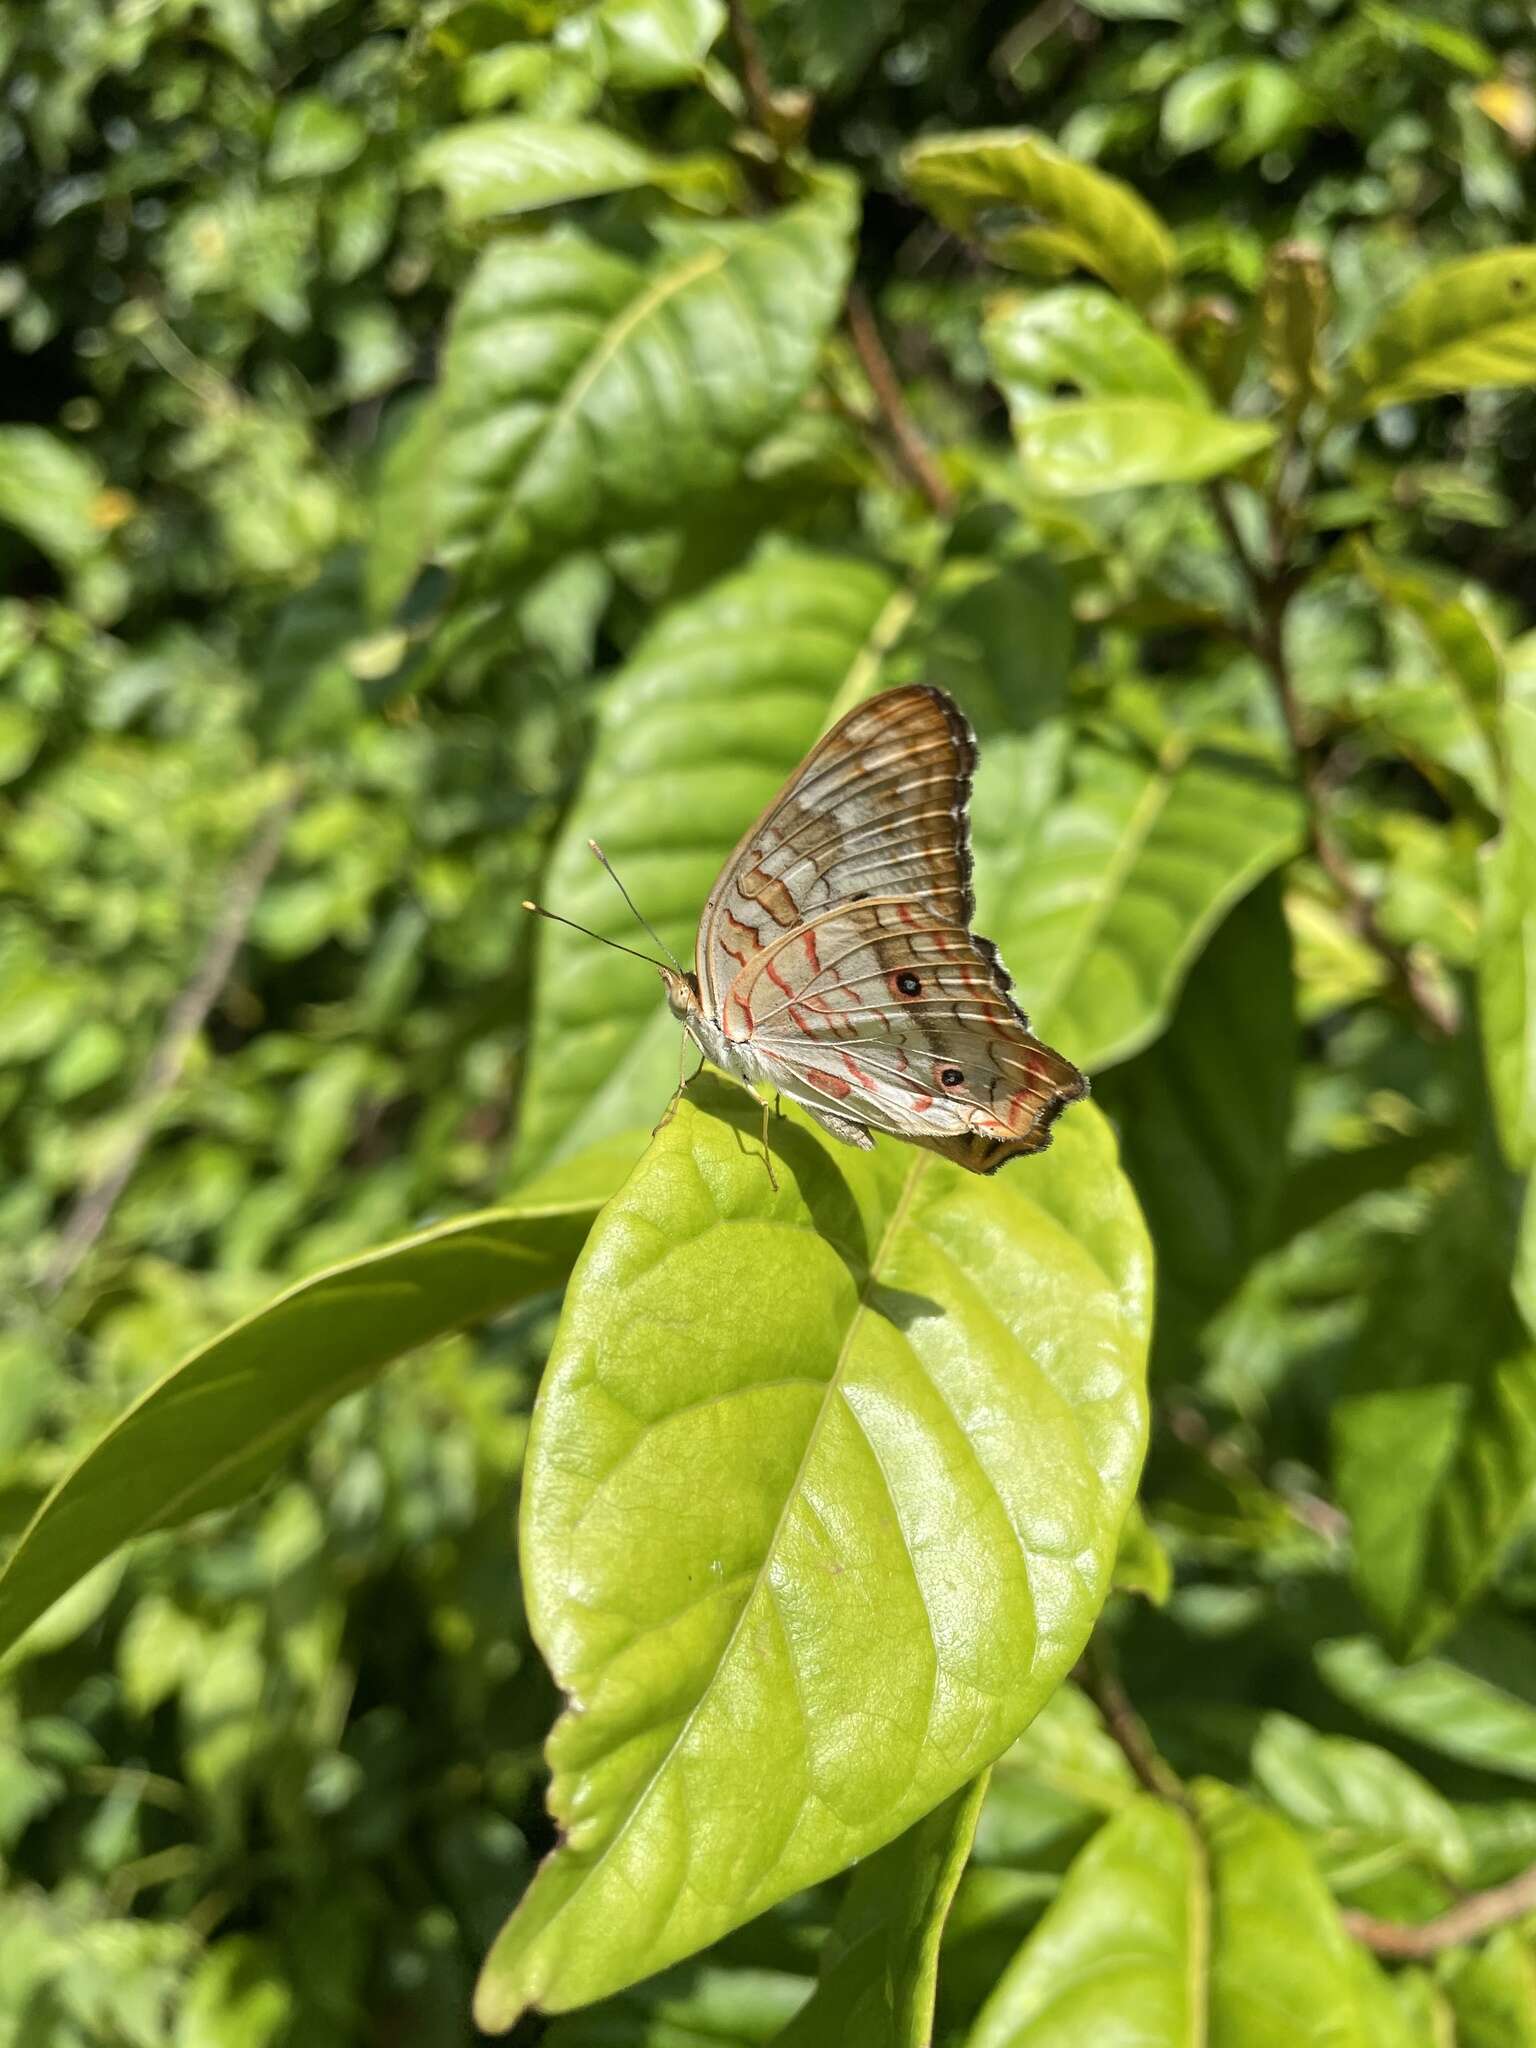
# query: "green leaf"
[1142,1563]
[874,1433]
[1087,446]
[879,1969]
[216,1425]
[1248,105]
[1204,1115]
[1479,1708]
[1367,1811]
[1465,326]
[1101,913]
[714,710]
[585,395]
[1507,956]
[1457,634]
[1099,401]
[1084,338]
[50,492]
[649,45]
[1434,1427]
[516,164]
[1086,219]
[1173,1928]
[313,137]
[1492,1993]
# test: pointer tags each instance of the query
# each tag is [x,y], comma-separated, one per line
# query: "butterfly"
[835,961]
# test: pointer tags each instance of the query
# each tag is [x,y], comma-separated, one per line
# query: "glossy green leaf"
[1174,1928]
[879,1969]
[1086,446]
[1465,326]
[1434,1426]
[1477,1703]
[874,1434]
[1085,218]
[515,164]
[1101,913]
[584,394]
[1204,1114]
[220,1422]
[1365,1809]
[637,46]
[1507,954]
[1083,342]
[715,708]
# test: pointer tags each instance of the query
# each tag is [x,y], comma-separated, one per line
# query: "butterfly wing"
[876,808]
[881,1014]
[835,949]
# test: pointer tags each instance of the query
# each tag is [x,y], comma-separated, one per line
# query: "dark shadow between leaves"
[834,1212]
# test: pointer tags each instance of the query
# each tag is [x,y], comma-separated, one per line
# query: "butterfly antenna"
[599,855]
[555,918]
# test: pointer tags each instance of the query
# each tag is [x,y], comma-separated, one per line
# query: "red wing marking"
[830,1084]
[856,1070]
[776,978]
[808,938]
[922,1102]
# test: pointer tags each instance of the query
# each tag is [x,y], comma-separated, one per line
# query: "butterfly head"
[682,993]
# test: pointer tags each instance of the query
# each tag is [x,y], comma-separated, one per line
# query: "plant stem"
[183,1021]
[1461,1922]
[754,72]
[911,450]
[916,456]
[1271,591]
[1099,1679]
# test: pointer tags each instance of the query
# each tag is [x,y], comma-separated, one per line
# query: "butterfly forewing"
[877,808]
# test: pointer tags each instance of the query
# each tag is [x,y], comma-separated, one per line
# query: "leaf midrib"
[792,1493]
[614,336]
[1148,809]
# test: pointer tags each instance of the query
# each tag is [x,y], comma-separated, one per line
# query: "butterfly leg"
[767,1155]
[684,1083]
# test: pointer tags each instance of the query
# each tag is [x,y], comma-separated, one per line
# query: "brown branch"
[916,456]
[1097,1676]
[908,445]
[1462,1922]
[755,81]
[94,1204]
[1270,592]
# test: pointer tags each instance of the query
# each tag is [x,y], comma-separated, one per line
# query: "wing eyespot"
[906,984]
[951,1077]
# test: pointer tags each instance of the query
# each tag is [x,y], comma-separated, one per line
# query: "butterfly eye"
[908,985]
[951,1077]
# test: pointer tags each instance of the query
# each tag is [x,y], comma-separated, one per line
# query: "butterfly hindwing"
[904,1023]
[876,808]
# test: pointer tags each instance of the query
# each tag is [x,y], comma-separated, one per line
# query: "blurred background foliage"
[280,1780]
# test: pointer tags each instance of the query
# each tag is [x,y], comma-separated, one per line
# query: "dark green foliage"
[436,434]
